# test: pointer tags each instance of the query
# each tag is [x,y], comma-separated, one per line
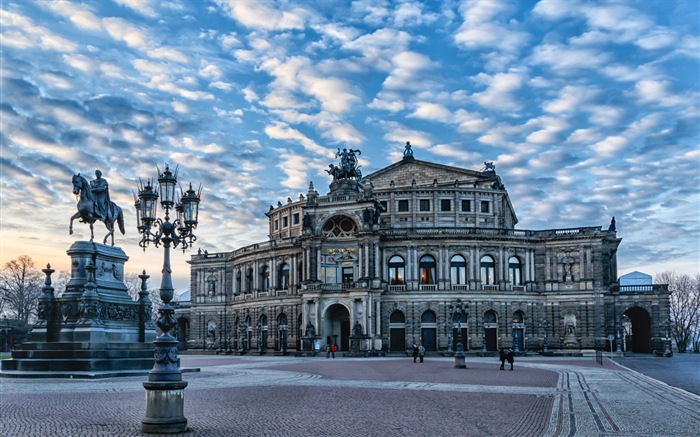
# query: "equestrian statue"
[94,205]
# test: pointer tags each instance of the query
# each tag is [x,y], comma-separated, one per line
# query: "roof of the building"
[635,278]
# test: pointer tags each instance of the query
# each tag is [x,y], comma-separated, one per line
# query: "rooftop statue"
[408,151]
[348,165]
[489,167]
[94,205]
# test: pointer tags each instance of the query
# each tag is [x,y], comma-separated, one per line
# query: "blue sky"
[588,109]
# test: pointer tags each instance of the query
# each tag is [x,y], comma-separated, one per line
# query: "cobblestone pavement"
[288,396]
[680,370]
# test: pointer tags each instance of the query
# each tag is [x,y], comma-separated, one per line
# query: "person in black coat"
[502,357]
[510,358]
[415,353]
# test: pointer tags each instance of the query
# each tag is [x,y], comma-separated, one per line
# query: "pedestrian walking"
[421,352]
[333,349]
[510,358]
[328,350]
[502,357]
[415,352]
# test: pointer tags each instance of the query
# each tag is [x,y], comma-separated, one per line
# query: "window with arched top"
[518,317]
[426,268]
[283,277]
[264,278]
[458,270]
[249,280]
[238,281]
[340,227]
[263,320]
[428,317]
[397,317]
[397,270]
[490,317]
[488,270]
[515,271]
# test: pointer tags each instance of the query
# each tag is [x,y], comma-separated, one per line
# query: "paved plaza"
[300,396]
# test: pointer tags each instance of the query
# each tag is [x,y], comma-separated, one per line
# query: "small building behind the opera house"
[380,262]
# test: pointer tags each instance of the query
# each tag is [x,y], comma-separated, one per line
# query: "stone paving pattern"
[299,396]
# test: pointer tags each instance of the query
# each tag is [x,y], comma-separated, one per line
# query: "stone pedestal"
[94,329]
[165,407]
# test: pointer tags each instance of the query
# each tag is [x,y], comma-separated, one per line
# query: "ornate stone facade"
[393,250]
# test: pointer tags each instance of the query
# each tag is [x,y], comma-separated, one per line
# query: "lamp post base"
[164,407]
[459,361]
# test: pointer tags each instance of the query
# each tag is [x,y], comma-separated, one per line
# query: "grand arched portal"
[338,327]
[640,340]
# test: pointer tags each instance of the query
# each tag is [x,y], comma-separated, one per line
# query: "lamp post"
[545,326]
[457,310]
[165,387]
[667,350]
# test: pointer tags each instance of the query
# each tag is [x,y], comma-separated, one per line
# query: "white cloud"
[481,28]
[265,15]
[500,93]
[142,7]
[431,111]
[124,31]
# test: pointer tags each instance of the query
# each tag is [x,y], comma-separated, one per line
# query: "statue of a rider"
[100,192]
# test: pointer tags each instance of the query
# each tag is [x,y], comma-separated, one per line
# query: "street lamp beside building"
[545,327]
[457,309]
[165,387]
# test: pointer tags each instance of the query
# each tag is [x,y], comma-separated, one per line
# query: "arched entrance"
[183,326]
[428,330]
[490,331]
[338,327]
[397,332]
[518,331]
[640,339]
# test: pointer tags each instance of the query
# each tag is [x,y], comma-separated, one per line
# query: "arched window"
[264,278]
[249,281]
[397,270]
[397,317]
[518,317]
[283,277]
[490,317]
[426,267]
[238,281]
[488,270]
[515,270]
[458,270]
[339,227]
[428,317]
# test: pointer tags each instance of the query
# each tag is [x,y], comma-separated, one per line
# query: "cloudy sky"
[588,109]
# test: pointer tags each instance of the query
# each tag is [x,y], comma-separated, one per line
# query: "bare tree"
[685,307]
[20,287]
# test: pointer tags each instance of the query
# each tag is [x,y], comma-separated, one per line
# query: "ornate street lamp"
[545,326]
[165,387]
[457,310]
[667,350]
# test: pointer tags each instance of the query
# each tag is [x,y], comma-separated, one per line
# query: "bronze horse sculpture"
[86,210]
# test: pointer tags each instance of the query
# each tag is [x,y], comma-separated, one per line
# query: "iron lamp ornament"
[164,407]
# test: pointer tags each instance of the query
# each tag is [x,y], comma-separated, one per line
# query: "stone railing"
[655,288]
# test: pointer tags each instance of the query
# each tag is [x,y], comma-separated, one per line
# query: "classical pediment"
[427,174]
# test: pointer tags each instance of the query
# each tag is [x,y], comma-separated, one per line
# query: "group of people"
[330,350]
[418,353]
[506,355]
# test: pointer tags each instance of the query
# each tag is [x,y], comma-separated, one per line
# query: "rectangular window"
[295,219]
[466,205]
[284,222]
[403,205]
[276,225]
[445,205]
[484,206]
[424,205]
[384,206]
